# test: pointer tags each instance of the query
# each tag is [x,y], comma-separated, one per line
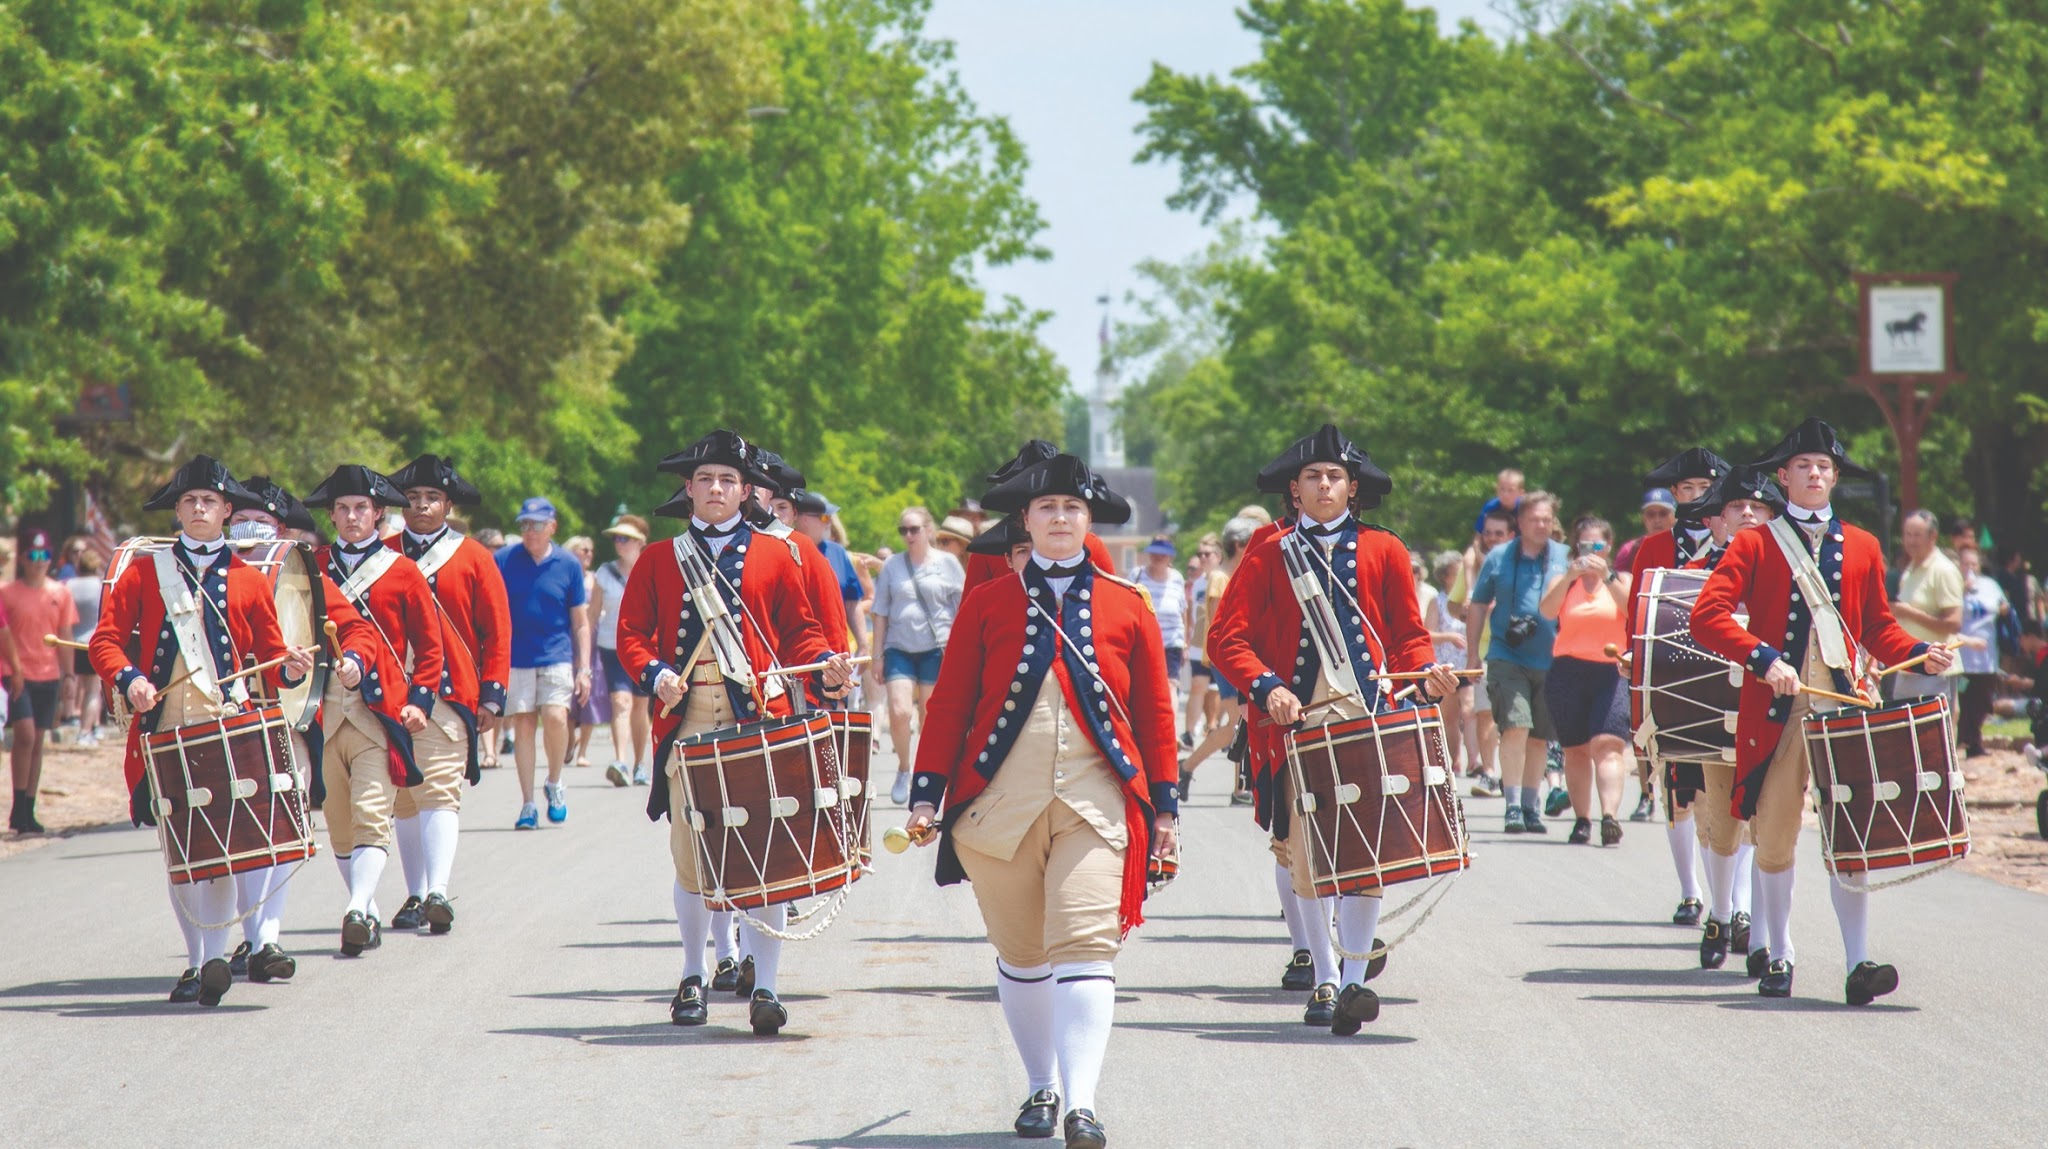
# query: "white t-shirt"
[1169,603]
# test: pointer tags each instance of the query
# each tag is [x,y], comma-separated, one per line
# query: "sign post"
[1906,357]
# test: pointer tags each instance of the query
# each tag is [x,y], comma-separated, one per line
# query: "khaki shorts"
[535,687]
[442,753]
[360,792]
[1518,699]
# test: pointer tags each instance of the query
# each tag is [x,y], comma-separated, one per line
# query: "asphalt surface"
[1547,1001]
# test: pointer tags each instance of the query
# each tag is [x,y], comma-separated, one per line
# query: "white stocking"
[721,934]
[440,830]
[272,913]
[207,902]
[1685,850]
[693,921]
[1775,906]
[1290,907]
[187,927]
[1083,1006]
[1358,919]
[1744,893]
[1316,914]
[412,855]
[1026,995]
[1852,913]
[1720,887]
[765,950]
[250,886]
[365,867]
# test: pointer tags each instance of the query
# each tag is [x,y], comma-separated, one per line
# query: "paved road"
[1544,1003]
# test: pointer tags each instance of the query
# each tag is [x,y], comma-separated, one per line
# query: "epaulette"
[1124,582]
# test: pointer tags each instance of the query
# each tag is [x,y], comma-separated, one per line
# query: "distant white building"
[1105,439]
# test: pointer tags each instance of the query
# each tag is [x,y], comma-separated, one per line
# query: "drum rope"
[168,843]
[1823,800]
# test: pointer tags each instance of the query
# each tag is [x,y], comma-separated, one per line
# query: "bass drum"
[301,601]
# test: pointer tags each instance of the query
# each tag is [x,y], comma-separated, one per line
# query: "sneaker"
[640,776]
[1187,740]
[1610,830]
[558,802]
[1514,822]
[1582,832]
[1556,802]
[1485,786]
[1643,810]
[529,818]
[899,790]
[1240,797]
[1533,822]
[616,774]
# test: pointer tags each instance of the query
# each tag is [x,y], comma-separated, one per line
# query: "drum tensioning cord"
[837,900]
[273,889]
[1870,754]
[1456,815]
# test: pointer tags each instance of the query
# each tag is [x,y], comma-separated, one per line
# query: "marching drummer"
[223,610]
[1687,475]
[1841,612]
[476,663]
[383,733]
[1058,779]
[1262,641]
[260,893]
[1742,498]
[708,670]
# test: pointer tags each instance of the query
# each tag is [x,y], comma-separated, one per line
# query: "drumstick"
[809,668]
[1618,654]
[53,640]
[1416,675]
[227,678]
[1951,644]
[333,634]
[1852,700]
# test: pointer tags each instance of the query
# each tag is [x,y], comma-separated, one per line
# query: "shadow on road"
[1212,917]
[656,1033]
[658,997]
[1264,1032]
[935,939]
[1682,945]
[1601,925]
[866,1136]
[79,987]
[1569,976]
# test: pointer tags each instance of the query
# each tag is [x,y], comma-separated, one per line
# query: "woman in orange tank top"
[1587,695]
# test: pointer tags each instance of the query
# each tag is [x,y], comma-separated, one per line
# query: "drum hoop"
[1904,716]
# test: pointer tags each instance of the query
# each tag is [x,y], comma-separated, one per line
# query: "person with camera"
[1587,696]
[1517,660]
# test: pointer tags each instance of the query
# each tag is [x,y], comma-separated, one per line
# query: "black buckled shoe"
[1376,964]
[1738,932]
[1714,946]
[438,914]
[271,963]
[1084,1131]
[1870,981]
[1356,1005]
[743,982]
[1758,963]
[238,961]
[1039,1117]
[767,1015]
[1299,973]
[688,1008]
[726,977]
[1777,980]
[1688,912]
[359,932]
[1322,1006]
[408,916]
[214,979]
[187,990]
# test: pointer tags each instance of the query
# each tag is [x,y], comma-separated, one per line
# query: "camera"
[1591,547]
[1520,629]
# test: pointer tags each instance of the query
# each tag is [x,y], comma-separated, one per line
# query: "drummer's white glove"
[669,687]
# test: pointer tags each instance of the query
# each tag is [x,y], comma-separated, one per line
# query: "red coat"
[655,634]
[962,745]
[821,588]
[134,607]
[1753,571]
[1256,633]
[983,568]
[477,624]
[406,626]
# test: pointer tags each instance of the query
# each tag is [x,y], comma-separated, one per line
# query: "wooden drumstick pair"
[781,671]
[1846,699]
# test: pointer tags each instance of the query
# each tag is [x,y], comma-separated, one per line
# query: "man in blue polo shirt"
[550,652]
[1511,583]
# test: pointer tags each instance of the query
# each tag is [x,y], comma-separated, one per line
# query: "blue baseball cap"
[536,510]
[1160,545]
[1660,497]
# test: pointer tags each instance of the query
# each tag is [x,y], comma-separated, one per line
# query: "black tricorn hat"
[276,502]
[438,472]
[202,473]
[1059,475]
[1740,482]
[1033,452]
[1327,446]
[782,477]
[1691,463]
[808,502]
[677,507]
[721,448]
[999,540]
[355,479]
[1813,437]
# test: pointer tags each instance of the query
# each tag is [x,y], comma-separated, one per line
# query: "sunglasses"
[911,529]
[39,556]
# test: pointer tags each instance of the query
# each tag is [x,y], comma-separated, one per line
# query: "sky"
[1062,72]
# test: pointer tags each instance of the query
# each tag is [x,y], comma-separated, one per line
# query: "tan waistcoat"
[1052,760]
